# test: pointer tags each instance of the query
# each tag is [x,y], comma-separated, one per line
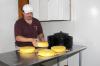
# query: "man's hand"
[34,42]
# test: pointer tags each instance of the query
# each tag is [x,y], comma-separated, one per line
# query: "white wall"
[8,16]
[84,27]
[35,5]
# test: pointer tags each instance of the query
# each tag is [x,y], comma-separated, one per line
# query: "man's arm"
[40,31]
[24,39]
[41,37]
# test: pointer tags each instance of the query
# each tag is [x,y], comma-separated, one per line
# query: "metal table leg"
[67,62]
[80,58]
[58,62]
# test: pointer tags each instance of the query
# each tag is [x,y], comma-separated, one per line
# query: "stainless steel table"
[14,58]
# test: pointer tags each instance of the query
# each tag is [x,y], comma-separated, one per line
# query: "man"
[28,29]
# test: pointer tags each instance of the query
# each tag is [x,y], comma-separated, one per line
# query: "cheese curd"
[58,49]
[46,52]
[42,44]
[27,49]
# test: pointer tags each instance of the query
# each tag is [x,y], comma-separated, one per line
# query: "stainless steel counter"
[15,59]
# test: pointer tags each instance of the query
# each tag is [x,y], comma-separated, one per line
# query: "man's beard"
[29,18]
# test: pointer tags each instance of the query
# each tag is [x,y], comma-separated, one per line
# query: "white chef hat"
[27,8]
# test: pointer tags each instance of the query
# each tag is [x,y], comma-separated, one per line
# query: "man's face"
[28,16]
